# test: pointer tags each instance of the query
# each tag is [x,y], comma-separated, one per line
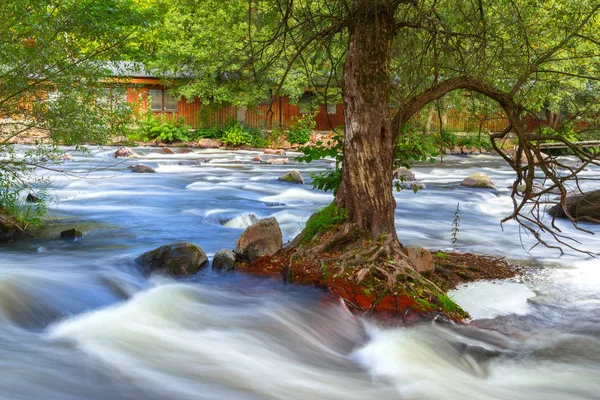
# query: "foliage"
[413,146]
[455,227]
[236,135]
[322,221]
[301,128]
[329,180]
[54,81]
[153,128]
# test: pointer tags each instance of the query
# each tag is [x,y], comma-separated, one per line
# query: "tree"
[56,86]
[403,55]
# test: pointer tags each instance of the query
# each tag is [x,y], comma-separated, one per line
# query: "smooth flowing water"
[79,321]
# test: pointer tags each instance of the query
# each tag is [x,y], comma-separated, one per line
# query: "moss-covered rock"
[293,176]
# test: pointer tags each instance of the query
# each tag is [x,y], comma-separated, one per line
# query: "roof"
[131,69]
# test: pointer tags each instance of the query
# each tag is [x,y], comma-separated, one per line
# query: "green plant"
[236,135]
[442,255]
[329,180]
[301,128]
[455,227]
[322,221]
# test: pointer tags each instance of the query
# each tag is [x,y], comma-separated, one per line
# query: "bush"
[237,135]
[301,129]
[207,133]
[152,128]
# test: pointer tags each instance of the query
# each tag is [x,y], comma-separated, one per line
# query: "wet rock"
[405,173]
[180,259]
[184,151]
[33,198]
[582,206]
[478,180]
[124,152]
[67,157]
[209,143]
[536,188]
[142,169]
[273,151]
[8,226]
[166,150]
[275,204]
[293,176]
[277,161]
[420,258]
[260,239]
[285,145]
[257,159]
[224,261]
[71,234]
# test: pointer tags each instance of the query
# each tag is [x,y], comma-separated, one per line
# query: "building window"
[331,108]
[161,100]
[305,103]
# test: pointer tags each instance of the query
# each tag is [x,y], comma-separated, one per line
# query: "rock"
[272,151]
[8,226]
[277,161]
[142,169]
[71,234]
[285,145]
[536,188]
[478,180]
[406,173]
[420,258]
[33,198]
[293,176]
[166,150]
[67,157]
[184,151]
[209,143]
[224,261]
[257,159]
[260,239]
[124,152]
[582,206]
[181,259]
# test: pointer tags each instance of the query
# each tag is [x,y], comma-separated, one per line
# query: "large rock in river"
[261,239]
[209,143]
[181,258]
[293,176]
[124,152]
[579,206]
[142,169]
[478,180]
[224,261]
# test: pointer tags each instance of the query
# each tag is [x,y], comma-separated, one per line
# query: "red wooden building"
[144,85]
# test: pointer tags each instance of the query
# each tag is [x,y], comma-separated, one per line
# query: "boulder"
[224,261]
[262,238]
[285,145]
[166,150]
[278,161]
[406,173]
[273,151]
[124,152]
[257,159]
[420,258]
[33,198]
[582,206]
[142,169]
[181,259]
[478,180]
[71,234]
[293,176]
[8,226]
[209,143]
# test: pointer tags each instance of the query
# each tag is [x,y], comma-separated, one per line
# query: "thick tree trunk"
[366,187]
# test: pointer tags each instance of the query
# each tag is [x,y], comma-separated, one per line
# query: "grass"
[322,221]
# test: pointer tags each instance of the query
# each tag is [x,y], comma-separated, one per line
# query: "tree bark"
[365,191]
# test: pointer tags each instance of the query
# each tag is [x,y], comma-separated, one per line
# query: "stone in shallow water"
[260,239]
[142,169]
[224,261]
[71,234]
[293,176]
[180,259]
[478,180]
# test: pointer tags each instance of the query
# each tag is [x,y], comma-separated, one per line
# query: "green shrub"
[152,128]
[236,135]
[301,129]
[207,133]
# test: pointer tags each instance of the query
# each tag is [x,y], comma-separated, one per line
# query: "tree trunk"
[365,191]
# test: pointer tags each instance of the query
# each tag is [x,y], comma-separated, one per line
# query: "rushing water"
[78,321]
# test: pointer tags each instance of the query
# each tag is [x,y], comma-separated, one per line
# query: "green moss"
[442,255]
[322,221]
[447,304]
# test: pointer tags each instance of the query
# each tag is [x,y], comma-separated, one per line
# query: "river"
[79,321]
